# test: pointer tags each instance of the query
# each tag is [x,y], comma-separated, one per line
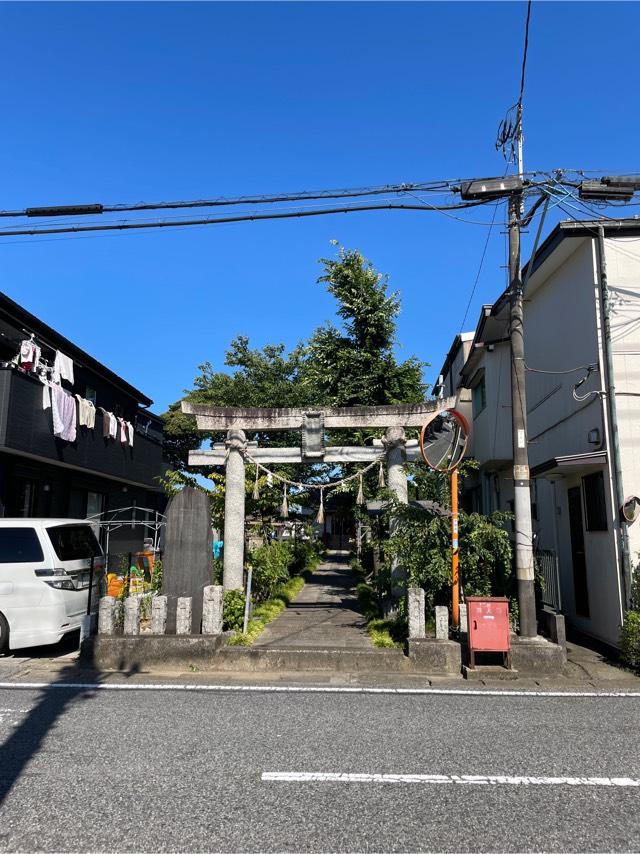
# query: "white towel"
[46,394]
[63,367]
[63,408]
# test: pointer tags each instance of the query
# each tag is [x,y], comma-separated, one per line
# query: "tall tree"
[357,365]
[348,366]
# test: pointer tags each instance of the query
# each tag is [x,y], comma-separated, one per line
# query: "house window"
[594,502]
[95,503]
[90,394]
[479,397]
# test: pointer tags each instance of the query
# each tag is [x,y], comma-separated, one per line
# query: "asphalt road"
[132,770]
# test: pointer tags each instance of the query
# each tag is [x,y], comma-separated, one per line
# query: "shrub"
[630,639]
[422,542]
[233,610]
[270,568]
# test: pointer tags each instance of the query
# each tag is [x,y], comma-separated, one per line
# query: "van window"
[74,542]
[20,545]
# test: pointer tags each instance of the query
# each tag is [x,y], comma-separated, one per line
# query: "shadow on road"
[74,683]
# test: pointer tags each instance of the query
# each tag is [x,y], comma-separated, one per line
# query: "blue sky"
[125,102]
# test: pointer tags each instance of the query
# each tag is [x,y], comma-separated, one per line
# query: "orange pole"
[455,577]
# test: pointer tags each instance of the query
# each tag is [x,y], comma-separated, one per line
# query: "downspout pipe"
[610,393]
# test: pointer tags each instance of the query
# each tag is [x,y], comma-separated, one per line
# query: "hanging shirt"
[63,408]
[105,422]
[86,412]
[130,429]
[63,368]
[113,426]
[29,355]
[123,431]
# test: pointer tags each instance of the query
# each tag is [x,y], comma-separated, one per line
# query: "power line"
[524,53]
[475,284]
[127,226]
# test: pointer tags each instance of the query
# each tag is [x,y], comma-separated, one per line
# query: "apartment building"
[582,345]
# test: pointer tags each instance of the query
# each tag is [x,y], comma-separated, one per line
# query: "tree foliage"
[356,365]
[351,365]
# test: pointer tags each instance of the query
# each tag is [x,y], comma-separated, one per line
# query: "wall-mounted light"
[593,436]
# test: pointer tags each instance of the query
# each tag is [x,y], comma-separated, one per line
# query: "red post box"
[488,626]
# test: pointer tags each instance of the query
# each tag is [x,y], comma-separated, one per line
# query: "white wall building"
[571,441]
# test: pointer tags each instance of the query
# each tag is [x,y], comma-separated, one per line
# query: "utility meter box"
[488,626]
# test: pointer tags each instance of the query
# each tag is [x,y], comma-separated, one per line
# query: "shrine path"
[325,613]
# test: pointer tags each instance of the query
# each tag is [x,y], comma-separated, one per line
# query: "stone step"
[296,659]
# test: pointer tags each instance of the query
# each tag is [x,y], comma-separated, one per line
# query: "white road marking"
[307,689]
[440,779]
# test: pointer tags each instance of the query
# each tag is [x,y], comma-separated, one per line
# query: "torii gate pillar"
[233,561]
[395,443]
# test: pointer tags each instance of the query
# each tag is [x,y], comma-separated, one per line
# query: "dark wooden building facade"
[42,475]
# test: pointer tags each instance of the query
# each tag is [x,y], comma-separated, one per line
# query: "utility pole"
[521,483]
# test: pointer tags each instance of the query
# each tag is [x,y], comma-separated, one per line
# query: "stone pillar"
[183,615]
[233,574]
[212,610]
[158,615]
[442,622]
[394,442]
[415,611]
[132,615]
[463,619]
[106,616]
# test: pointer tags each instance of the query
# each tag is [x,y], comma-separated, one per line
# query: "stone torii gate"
[394,448]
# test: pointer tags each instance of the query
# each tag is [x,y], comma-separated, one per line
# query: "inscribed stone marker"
[187,553]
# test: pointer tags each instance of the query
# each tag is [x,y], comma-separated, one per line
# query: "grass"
[272,608]
[389,634]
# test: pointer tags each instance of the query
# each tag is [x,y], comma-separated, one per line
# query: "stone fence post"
[132,615]
[183,615]
[106,616]
[158,615]
[442,622]
[212,601]
[415,608]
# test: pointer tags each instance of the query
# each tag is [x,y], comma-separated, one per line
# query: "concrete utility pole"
[521,483]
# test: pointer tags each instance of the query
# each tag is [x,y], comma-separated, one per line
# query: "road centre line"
[440,779]
[307,689]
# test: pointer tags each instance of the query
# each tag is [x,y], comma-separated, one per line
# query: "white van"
[45,567]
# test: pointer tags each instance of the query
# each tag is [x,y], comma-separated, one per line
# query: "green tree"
[356,365]
[347,366]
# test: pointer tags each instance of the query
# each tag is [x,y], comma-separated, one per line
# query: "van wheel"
[4,635]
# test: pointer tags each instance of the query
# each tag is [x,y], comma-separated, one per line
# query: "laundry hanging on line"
[86,412]
[62,368]
[29,355]
[63,408]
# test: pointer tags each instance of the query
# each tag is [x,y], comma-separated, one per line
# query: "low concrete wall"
[552,626]
[537,657]
[439,657]
[141,652]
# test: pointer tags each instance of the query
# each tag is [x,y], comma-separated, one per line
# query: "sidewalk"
[324,614]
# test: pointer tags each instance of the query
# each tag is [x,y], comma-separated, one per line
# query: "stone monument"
[186,563]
